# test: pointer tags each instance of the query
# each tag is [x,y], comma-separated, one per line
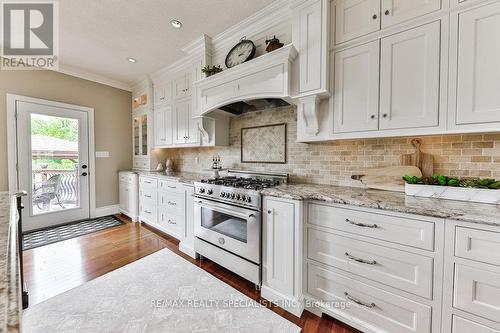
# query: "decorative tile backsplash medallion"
[333,163]
[264,144]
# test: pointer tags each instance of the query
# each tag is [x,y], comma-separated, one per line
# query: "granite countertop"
[10,307]
[182,177]
[391,201]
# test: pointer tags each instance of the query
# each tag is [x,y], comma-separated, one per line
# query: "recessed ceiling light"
[176,24]
[132,60]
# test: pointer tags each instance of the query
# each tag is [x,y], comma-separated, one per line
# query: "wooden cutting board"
[423,161]
[387,178]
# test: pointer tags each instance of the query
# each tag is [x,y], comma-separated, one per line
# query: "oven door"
[232,228]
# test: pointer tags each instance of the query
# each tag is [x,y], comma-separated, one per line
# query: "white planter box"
[454,193]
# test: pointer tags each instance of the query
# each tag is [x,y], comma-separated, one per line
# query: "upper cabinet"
[182,85]
[163,126]
[475,63]
[162,93]
[401,91]
[356,18]
[409,78]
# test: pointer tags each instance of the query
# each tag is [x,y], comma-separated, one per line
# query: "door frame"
[12,141]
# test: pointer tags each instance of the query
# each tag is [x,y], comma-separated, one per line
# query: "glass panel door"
[52,157]
[137,150]
[144,134]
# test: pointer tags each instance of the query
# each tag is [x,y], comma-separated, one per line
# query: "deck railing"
[68,190]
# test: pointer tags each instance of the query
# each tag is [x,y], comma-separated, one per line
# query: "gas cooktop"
[240,182]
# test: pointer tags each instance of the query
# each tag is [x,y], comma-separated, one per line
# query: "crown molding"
[277,12]
[86,75]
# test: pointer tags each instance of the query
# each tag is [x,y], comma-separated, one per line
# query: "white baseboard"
[106,210]
[183,247]
[292,305]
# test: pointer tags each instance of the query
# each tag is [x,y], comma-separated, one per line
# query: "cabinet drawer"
[148,194]
[127,178]
[406,271]
[394,229]
[477,291]
[379,310]
[461,325]
[148,212]
[172,223]
[146,182]
[478,245]
[172,202]
[170,186]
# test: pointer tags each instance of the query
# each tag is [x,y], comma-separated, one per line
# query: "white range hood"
[258,82]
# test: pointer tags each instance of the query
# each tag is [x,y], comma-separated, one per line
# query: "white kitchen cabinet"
[356,92]
[476,99]
[409,78]
[185,127]
[129,194]
[163,126]
[182,85]
[162,93]
[282,252]
[398,11]
[355,18]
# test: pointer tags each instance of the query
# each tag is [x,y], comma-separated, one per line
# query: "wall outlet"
[102,154]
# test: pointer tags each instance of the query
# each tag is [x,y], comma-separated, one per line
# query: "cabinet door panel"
[478,98]
[278,256]
[355,18]
[409,78]
[180,86]
[192,135]
[310,47]
[180,128]
[163,126]
[397,11]
[357,88]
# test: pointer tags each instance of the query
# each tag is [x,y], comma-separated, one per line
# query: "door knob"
[84,174]
[84,166]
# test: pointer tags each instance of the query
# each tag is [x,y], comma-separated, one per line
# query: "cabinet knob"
[385,115]
[372,116]
[269,211]
[374,16]
[387,12]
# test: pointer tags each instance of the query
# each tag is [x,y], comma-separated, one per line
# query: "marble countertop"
[182,177]
[391,201]
[10,307]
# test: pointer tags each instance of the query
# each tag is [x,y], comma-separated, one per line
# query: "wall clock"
[241,52]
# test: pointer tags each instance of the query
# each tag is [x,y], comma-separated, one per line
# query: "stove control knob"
[222,194]
[202,190]
[233,195]
[238,197]
[210,192]
[248,199]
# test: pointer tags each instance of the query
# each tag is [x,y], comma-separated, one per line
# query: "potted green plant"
[483,190]
[211,70]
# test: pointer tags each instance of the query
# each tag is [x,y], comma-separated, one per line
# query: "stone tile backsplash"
[333,163]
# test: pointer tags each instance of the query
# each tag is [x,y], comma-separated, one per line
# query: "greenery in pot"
[440,180]
[211,70]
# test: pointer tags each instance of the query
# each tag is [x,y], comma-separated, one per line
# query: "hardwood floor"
[53,269]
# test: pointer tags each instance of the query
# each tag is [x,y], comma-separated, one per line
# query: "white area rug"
[159,293]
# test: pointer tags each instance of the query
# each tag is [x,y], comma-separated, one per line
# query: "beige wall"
[334,162]
[112,121]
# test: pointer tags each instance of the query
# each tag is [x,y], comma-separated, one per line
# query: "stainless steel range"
[228,220]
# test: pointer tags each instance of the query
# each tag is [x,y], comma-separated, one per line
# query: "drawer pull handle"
[357,301]
[147,212]
[363,261]
[172,203]
[172,186]
[147,195]
[363,225]
[171,222]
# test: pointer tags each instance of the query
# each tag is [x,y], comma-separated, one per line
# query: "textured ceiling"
[97,36]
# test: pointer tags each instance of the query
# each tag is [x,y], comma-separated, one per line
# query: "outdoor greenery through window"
[54,152]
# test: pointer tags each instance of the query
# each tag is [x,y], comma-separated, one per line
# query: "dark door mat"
[39,238]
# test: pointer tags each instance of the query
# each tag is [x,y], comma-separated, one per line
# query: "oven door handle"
[225,211]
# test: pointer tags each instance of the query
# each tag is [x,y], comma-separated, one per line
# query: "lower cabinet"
[128,194]
[282,253]
[168,206]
